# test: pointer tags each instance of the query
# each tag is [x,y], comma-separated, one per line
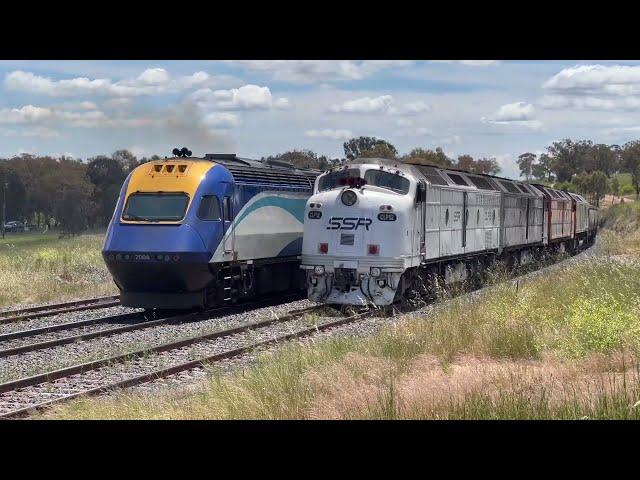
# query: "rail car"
[377,229]
[197,232]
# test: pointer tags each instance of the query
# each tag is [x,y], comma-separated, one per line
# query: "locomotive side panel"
[432,222]
[451,222]
[269,223]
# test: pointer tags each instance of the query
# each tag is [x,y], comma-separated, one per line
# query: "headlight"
[349,197]
[318,270]
[375,272]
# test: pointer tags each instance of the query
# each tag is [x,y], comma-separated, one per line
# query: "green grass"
[37,267]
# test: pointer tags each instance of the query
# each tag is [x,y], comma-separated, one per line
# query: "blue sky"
[257,108]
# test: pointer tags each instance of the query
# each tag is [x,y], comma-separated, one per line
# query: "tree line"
[584,167]
[76,194]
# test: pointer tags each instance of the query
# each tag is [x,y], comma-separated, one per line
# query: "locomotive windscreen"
[155,207]
[332,180]
[387,180]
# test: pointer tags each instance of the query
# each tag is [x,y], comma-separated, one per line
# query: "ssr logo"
[348,223]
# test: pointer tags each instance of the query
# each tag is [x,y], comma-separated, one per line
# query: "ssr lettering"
[348,223]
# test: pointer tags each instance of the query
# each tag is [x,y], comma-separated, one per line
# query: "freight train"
[377,230]
[198,232]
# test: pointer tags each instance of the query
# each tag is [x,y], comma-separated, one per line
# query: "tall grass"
[42,267]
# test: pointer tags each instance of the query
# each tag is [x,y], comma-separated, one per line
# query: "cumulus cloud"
[317,71]
[152,81]
[384,104]
[339,134]
[515,114]
[594,87]
[379,104]
[247,97]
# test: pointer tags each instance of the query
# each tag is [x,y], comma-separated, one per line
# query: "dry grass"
[41,267]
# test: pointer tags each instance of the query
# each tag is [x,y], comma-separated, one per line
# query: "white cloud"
[379,104]
[519,114]
[222,120]
[614,79]
[594,87]
[317,71]
[152,81]
[328,133]
[385,104]
[247,97]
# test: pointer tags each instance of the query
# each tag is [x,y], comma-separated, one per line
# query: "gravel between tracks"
[40,361]
[121,371]
[64,318]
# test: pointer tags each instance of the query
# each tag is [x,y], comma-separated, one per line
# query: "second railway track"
[28,313]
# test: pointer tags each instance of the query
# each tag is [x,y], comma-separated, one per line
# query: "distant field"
[561,346]
[36,267]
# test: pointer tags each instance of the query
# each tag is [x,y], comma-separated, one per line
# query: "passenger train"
[196,232]
[377,229]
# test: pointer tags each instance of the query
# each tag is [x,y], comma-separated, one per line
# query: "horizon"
[255,109]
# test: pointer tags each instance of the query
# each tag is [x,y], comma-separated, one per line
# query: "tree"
[487,166]
[125,158]
[631,163]
[594,185]
[614,187]
[542,170]
[465,162]
[380,150]
[483,165]
[107,176]
[421,156]
[303,159]
[525,163]
[356,146]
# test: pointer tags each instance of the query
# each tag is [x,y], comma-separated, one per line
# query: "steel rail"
[192,316]
[17,315]
[190,365]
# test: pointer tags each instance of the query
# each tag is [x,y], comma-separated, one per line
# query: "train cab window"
[209,208]
[156,207]
[332,180]
[226,209]
[387,180]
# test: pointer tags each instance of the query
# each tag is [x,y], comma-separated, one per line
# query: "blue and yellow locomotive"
[199,232]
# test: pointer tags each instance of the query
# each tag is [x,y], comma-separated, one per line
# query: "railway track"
[132,322]
[24,396]
[21,314]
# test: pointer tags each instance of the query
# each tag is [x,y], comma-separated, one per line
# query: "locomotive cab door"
[230,253]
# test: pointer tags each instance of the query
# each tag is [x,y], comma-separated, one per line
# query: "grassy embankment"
[560,346]
[37,267]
